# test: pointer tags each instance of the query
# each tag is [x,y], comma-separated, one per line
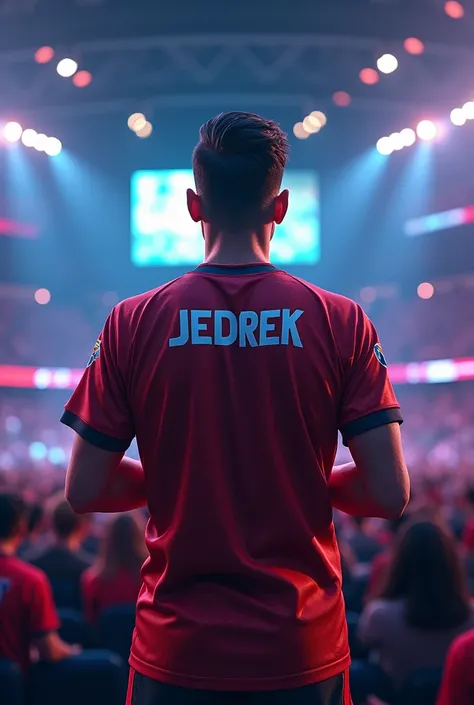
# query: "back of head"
[123,546]
[13,514]
[66,523]
[238,167]
[427,574]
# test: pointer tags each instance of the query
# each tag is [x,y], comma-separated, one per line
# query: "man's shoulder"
[330,299]
[22,571]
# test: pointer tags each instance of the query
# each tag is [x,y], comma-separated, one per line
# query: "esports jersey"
[235,381]
[27,609]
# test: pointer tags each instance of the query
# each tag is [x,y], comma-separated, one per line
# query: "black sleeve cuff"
[91,435]
[367,423]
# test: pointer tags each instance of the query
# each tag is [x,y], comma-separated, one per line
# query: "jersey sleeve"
[368,399]
[98,410]
[42,614]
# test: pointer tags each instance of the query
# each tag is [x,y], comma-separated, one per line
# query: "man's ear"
[194,205]
[281,206]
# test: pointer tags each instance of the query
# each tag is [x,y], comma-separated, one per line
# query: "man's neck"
[247,249]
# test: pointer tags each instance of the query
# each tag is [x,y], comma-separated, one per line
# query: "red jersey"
[235,381]
[98,593]
[457,687]
[27,609]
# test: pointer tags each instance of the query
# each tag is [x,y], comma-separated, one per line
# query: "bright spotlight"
[318,115]
[396,140]
[369,76]
[425,290]
[299,131]
[43,55]
[29,137]
[67,68]
[42,296]
[145,132]
[454,9]
[408,137]
[53,147]
[136,122]
[458,116]
[388,63]
[12,131]
[384,146]
[40,142]
[426,130]
[468,110]
[311,125]
[414,46]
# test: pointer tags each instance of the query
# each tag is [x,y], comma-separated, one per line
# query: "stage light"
[299,131]
[408,137]
[414,46]
[29,137]
[384,146]
[40,142]
[82,79]
[53,147]
[388,63]
[37,451]
[341,98]
[43,55]
[425,290]
[318,115]
[468,110]
[12,131]
[426,130]
[42,296]
[458,116]
[396,140]
[454,9]
[311,125]
[369,76]
[136,122]
[145,132]
[67,68]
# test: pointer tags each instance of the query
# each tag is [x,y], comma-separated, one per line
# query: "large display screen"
[163,233]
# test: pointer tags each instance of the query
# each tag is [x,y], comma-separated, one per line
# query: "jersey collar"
[236,269]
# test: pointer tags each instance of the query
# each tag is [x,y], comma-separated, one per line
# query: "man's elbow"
[393,506]
[76,503]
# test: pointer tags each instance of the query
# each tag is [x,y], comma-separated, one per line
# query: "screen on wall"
[163,233]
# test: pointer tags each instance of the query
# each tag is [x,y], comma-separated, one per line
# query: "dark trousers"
[145,691]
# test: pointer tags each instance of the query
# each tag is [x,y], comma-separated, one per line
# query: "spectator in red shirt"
[115,577]
[457,686]
[28,616]
[235,379]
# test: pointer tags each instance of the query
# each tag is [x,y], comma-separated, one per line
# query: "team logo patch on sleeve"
[95,352]
[379,354]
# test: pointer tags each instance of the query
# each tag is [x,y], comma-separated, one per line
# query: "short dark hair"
[426,573]
[65,520]
[12,512]
[238,166]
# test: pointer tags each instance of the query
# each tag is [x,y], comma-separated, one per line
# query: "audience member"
[28,616]
[63,560]
[423,607]
[457,687]
[364,546]
[115,577]
[35,527]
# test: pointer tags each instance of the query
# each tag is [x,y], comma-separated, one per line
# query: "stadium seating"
[115,629]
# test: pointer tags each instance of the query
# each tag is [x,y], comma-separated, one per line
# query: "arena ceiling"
[186,53]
